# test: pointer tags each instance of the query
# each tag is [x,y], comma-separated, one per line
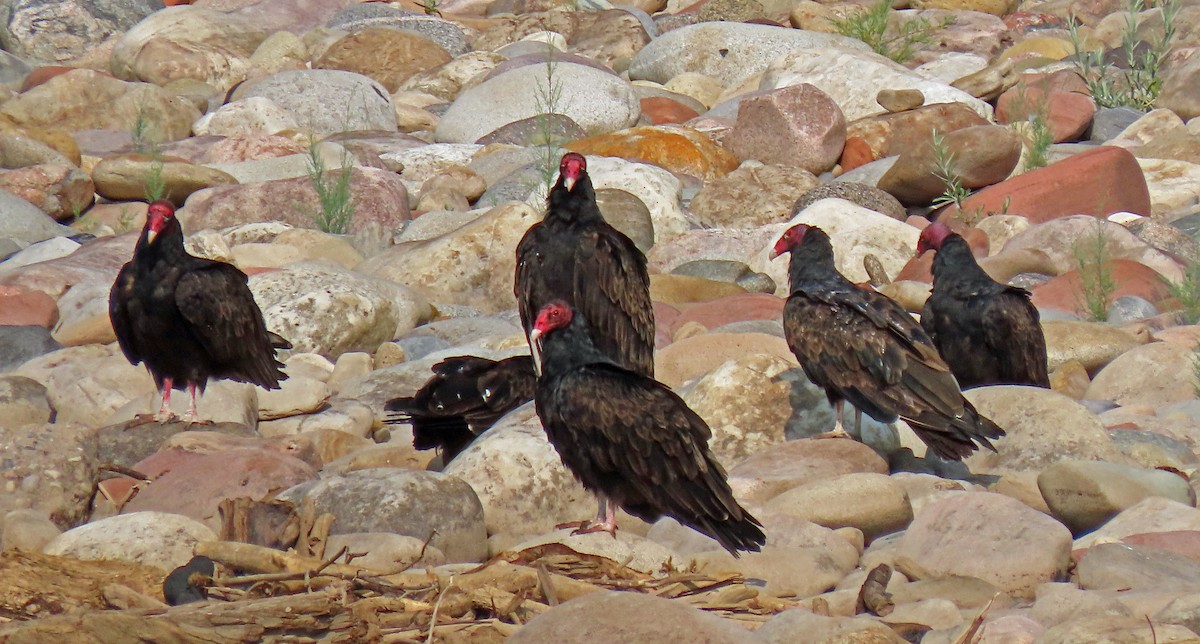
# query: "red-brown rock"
[893,134]
[1186,336]
[661,110]
[1068,113]
[798,125]
[980,155]
[856,153]
[24,307]
[42,74]
[1065,293]
[194,484]
[1097,182]
[734,308]
[1184,542]
[1021,22]
[235,149]
[59,190]
[664,322]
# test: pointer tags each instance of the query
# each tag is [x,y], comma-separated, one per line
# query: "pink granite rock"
[797,125]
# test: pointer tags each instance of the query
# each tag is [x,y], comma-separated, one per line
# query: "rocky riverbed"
[709,128]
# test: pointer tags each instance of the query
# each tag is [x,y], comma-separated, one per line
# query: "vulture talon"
[591,527]
[143,419]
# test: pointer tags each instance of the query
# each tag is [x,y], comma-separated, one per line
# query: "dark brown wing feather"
[639,444]
[465,396]
[866,349]
[1015,339]
[120,298]
[223,317]
[612,291]
[601,274]
[988,338]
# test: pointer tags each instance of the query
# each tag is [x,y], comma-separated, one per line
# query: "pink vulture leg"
[192,417]
[165,415]
[839,431]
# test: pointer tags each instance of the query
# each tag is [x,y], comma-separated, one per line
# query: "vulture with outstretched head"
[465,396]
[989,333]
[864,348]
[574,255]
[630,439]
[189,319]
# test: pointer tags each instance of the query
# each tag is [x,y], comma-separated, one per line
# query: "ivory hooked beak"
[535,350]
[150,235]
[569,183]
[773,254]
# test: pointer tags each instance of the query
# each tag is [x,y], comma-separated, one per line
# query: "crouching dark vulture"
[629,439]
[189,319]
[465,396]
[989,333]
[574,255]
[864,348]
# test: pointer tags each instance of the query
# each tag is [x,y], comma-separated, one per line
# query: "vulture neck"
[568,348]
[812,261]
[167,246]
[577,205]
[955,264]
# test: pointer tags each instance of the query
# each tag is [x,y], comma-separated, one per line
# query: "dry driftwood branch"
[968,635]
[116,468]
[37,585]
[874,597]
[331,603]
[120,596]
[514,579]
[320,614]
[314,530]
[258,559]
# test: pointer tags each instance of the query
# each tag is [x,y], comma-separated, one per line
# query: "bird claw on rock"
[146,419]
[192,419]
[588,527]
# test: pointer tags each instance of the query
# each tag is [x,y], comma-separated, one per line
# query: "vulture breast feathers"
[989,333]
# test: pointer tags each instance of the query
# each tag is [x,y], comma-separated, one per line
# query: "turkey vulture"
[189,319]
[630,439]
[989,333]
[575,256]
[463,398]
[862,347]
